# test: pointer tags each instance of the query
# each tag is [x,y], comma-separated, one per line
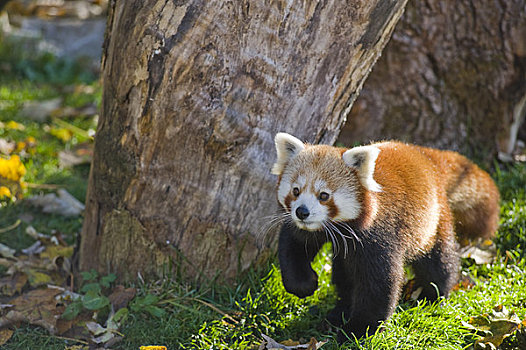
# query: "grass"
[235,316]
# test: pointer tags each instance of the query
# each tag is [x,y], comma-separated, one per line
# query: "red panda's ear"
[287,146]
[363,159]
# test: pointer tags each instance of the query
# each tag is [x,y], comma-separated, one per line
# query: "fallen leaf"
[64,325]
[63,204]
[71,158]
[37,307]
[466,282]
[120,297]
[76,327]
[10,285]
[77,347]
[40,110]
[290,342]
[7,252]
[5,262]
[37,278]
[53,252]
[271,344]
[103,335]
[95,328]
[482,253]
[5,335]
[68,111]
[411,291]
[493,327]
[35,248]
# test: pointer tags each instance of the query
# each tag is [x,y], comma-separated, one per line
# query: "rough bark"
[453,76]
[194,92]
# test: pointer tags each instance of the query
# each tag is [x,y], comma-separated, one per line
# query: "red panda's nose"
[302,212]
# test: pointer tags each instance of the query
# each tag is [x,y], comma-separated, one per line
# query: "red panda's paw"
[303,286]
[338,316]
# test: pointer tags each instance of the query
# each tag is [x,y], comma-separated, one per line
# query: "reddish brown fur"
[407,174]
[407,204]
[333,208]
[472,195]
[467,195]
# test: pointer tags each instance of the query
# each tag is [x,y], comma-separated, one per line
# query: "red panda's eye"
[296,191]
[323,196]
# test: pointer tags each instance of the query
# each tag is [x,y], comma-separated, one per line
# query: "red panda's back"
[412,193]
[472,194]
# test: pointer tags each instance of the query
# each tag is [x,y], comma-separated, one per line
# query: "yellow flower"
[31,141]
[12,168]
[20,146]
[5,192]
[14,125]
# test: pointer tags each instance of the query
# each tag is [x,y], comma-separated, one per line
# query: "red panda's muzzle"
[302,212]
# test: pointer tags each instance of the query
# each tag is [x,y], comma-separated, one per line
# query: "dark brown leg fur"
[437,271]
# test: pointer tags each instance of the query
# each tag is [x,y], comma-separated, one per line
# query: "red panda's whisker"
[351,231]
[335,231]
[345,245]
[270,225]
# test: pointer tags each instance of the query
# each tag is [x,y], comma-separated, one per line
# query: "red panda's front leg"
[376,275]
[295,255]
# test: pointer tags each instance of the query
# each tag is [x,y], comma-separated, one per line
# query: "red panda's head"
[319,185]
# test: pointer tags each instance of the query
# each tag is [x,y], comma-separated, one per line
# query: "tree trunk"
[194,92]
[453,76]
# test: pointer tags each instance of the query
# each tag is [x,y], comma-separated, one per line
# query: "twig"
[174,303]
[42,186]
[10,227]
[215,309]
[74,129]
[66,338]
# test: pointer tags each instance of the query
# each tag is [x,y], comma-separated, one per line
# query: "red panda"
[382,206]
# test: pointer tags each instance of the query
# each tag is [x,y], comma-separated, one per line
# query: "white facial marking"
[348,206]
[301,182]
[284,188]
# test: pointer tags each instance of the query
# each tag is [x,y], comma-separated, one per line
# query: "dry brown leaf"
[466,282]
[120,297]
[37,307]
[494,327]
[10,285]
[75,328]
[290,342]
[483,252]
[5,335]
[271,344]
